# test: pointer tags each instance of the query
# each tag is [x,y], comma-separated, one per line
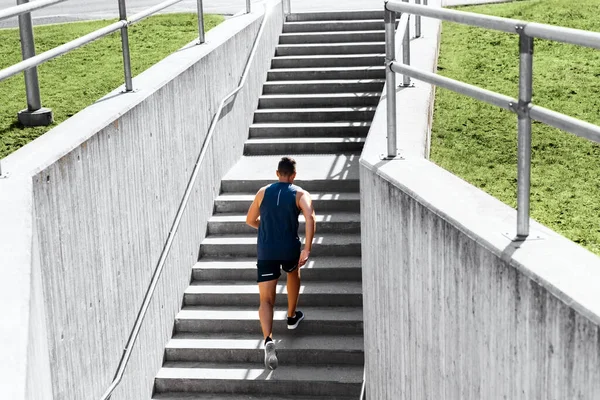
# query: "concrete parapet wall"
[105,187]
[453,308]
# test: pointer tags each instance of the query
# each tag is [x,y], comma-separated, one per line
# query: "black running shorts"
[269,270]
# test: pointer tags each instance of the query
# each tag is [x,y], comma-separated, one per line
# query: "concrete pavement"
[81,10]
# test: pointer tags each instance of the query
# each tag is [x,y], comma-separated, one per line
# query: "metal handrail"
[27,8]
[60,50]
[81,41]
[363,389]
[174,228]
[522,106]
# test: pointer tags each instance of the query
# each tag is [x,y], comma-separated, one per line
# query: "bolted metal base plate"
[515,238]
[385,157]
[41,117]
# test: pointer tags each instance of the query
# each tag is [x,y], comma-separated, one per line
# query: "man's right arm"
[308,211]
[253,217]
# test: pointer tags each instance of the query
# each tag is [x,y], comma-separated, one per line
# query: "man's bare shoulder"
[261,193]
[301,192]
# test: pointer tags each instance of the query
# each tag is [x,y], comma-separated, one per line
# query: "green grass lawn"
[478,142]
[76,80]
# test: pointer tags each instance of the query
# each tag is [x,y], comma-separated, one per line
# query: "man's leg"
[265,313]
[267,302]
[293,289]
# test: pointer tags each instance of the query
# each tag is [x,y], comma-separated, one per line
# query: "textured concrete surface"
[310,167]
[453,309]
[106,186]
[448,297]
[25,367]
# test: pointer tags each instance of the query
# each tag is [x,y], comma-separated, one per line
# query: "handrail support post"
[34,115]
[287,7]
[524,134]
[125,46]
[418,22]
[390,81]
[248,6]
[201,36]
[406,50]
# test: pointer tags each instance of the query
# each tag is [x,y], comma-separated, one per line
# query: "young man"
[274,212]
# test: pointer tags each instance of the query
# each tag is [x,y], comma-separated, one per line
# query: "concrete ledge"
[15,285]
[415,103]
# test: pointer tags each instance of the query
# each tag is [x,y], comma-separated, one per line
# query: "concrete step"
[299,74]
[326,244]
[326,114]
[330,48]
[320,100]
[310,130]
[333,37]
[258,147]
[324,86]
[336,15]
[244,348]
[329,380]
[318,269]
[327,222]
[324,60]
[315,173]
[224,396]
[338,60]
[322,202]
[329,26]
[313,185]
[245,294]
[227,320]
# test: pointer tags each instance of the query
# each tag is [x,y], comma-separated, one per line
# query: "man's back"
[278,230]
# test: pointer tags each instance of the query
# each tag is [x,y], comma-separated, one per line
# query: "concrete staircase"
[321,94]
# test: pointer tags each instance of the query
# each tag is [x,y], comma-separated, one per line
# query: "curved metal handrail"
[167,248]
[363,390]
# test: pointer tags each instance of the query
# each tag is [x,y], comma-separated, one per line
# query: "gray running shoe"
[271,361]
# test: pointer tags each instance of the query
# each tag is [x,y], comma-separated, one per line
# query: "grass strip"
[478,142]
[76,80]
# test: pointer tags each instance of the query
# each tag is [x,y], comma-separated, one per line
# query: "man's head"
[286,170]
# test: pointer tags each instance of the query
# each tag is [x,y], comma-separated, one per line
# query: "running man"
[274,212]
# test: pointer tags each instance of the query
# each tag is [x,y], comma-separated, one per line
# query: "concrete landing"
[309,167]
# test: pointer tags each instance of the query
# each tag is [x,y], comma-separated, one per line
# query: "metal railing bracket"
[397,157]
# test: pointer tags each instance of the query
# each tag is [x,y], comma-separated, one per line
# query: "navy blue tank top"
[278,230]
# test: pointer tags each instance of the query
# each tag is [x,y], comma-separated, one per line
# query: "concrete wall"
[105,187]
[25,366]
[453,308]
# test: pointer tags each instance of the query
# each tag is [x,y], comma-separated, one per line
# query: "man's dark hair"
[287,166]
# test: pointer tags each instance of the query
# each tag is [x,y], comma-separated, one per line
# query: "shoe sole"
[297,323]
[271,361]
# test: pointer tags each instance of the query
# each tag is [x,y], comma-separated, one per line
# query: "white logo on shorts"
[267,274]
